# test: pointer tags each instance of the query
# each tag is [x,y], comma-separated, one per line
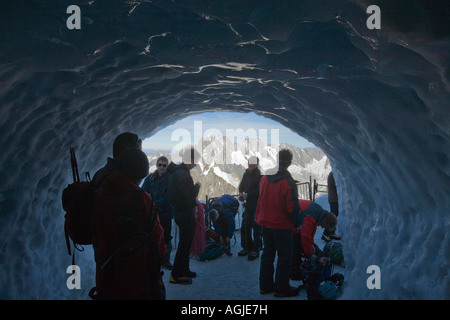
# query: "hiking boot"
[191,274]
[242,253]
[265,291]
[335,237]
[253,255]
[166,264]
[180,280]
[326,238]
[291,292]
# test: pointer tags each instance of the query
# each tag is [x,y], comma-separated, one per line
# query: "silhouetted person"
[251,240]
[156,185]
[128,239]
[182,193]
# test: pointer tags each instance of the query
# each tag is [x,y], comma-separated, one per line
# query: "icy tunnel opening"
[376,103]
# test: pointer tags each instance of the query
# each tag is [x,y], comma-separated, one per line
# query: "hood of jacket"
[172,167]
[281,174]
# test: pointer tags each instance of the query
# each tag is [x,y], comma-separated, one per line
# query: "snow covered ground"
[234,277]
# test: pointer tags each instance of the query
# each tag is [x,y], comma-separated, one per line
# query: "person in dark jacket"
[334,207]
[156,186]
[251,240]
[126,234]
[122,142]
[182,194]
[278,212]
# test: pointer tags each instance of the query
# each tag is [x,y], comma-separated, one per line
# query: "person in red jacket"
[312,215]
[278,213]
[128,239]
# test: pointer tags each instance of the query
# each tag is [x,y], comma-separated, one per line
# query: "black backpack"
[77,201]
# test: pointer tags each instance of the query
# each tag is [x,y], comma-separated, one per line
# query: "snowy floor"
[229,278]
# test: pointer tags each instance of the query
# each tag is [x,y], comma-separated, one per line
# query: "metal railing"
[308,190]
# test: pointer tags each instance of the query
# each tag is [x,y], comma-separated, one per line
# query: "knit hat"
[133,163]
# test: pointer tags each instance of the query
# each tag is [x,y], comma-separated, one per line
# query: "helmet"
[337,278]
[328,290]
[334,251]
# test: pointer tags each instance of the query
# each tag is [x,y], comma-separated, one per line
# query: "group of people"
[275,217]
[132,222]
[131,225]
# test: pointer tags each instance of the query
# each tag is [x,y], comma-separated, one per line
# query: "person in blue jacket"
[156,185]
[227,206]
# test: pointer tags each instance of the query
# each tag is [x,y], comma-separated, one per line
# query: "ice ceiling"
[375,101]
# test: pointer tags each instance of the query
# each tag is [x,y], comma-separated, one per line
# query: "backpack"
[77,201]
[175,195]
[320,282]
[199,240]
[229,202]
[334,250]
[213,250]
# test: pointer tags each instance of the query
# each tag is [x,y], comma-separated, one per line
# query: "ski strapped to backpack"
[77,202]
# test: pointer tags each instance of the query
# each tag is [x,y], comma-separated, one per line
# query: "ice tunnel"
[376,101]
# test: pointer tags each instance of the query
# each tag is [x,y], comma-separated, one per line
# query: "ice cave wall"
[376,102]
